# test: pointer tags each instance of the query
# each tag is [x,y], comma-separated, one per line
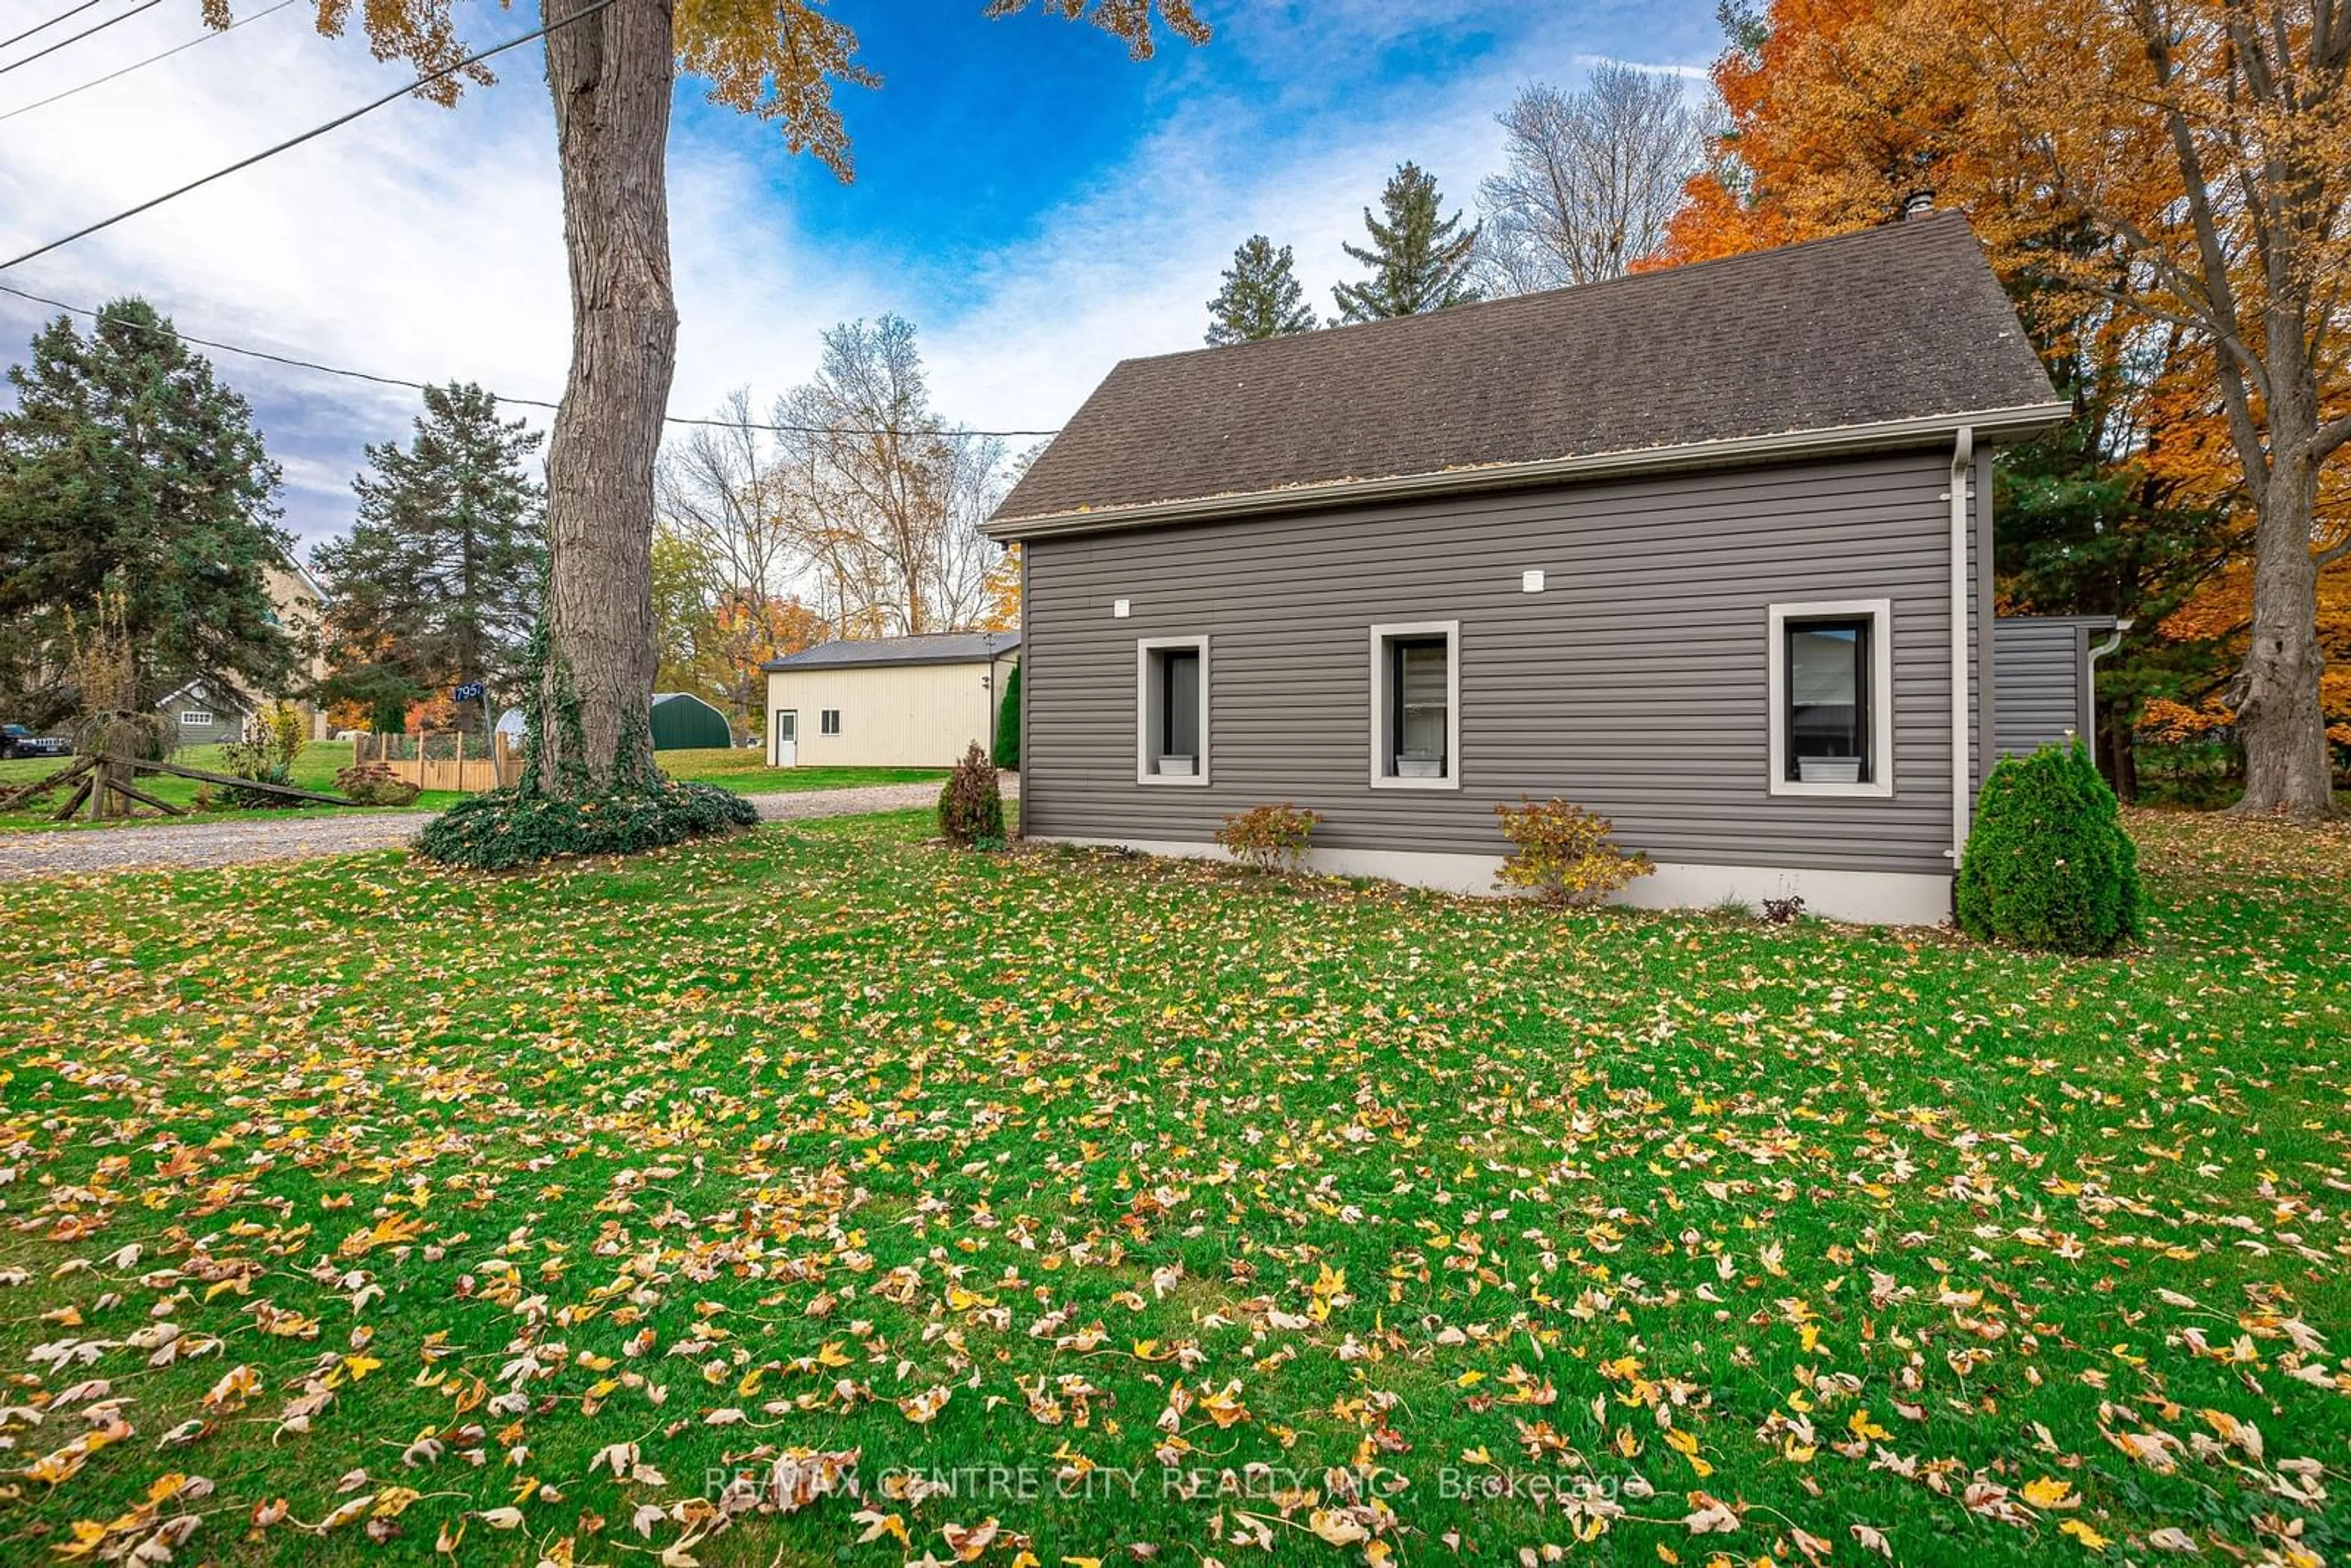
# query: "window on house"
[1832,695]
[197,718]
[828,721]
[1417,705]
[1172,710]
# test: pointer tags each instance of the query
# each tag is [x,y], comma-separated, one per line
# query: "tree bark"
[2276,694]
[609,75]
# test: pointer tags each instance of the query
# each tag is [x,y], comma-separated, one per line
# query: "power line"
[293,141]
[45,26]
[77,38]
[294,363]
[204,38]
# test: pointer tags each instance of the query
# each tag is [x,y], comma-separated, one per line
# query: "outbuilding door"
[786,730]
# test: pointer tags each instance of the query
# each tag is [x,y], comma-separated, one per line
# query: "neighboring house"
[1707,551]
[891,702]
[684,722]
[298,607]
[202,713]
[2044,668]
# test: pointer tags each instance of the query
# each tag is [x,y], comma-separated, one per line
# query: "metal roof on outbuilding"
[934,648]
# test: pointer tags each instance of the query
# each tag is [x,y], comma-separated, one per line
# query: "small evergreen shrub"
[502,829]
[372,784]
[2049,865]
[1007,724]
[1564,855]
[971,805]
[1270,837]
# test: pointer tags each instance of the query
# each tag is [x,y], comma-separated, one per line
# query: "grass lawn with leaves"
[1163,1212]
[744,771]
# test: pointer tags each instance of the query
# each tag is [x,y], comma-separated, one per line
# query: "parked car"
[15,740]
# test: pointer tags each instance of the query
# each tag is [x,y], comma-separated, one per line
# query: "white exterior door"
[787,729]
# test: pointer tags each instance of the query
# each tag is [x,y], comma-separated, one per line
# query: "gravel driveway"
[177,845]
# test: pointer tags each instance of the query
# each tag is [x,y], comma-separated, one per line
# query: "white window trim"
[197,718]
[828,722]
[1880,613]
[1143,648]
[1381,636]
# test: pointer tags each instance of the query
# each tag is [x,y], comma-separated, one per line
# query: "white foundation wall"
[891,715]
[1858,897]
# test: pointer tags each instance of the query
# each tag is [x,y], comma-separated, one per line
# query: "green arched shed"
[684,722]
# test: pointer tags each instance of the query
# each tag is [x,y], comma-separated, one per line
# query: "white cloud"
[1654,68]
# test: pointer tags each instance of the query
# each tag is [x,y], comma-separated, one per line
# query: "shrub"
[1007,724]
[1564,855]
[2049,864]
[1783,911]
[971,806]
[266,756]
[1270,837]
[501,829]
[372,784]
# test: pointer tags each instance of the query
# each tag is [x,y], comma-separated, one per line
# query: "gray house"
[2045,671]
[205,714]
[1707,551]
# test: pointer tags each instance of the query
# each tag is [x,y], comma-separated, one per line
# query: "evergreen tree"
[125,464]
[1007,724]
[1418,261]
[441,577]
[1261,297]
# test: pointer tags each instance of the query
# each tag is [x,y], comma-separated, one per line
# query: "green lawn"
[321,760]
[1236,1219]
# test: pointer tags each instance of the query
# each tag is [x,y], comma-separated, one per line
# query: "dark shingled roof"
[936,648]
[1901,323]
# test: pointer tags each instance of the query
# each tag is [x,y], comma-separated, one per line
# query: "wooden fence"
[462,764]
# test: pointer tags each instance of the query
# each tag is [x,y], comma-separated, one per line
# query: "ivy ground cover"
[1083,1210]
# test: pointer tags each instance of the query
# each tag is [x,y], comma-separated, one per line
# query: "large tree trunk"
[611,75]
[2277,695]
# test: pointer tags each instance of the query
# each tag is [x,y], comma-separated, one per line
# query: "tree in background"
[2238,230]
[1261,297]
[1594,179]
[612,69]
[721,496]
[442,575]
[127,469]
[685,631]
[882,498]
[999,608]
[1419,261]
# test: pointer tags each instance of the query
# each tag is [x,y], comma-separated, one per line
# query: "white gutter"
[2020,421]
[1963,456]
[2090,682]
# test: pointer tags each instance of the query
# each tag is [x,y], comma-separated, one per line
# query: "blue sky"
[1037,203]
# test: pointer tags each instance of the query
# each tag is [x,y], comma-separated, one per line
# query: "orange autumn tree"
[749,629]
[611,70]
[2237,229]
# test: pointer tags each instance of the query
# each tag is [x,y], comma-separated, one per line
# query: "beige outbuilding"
[890,702]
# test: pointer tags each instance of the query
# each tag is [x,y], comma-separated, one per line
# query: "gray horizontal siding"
[2041,666]
[1636,684]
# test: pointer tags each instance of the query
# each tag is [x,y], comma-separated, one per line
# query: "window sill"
[1173,780]
[1386,782]
[1880,791]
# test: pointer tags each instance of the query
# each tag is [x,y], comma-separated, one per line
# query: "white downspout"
[1963,454]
